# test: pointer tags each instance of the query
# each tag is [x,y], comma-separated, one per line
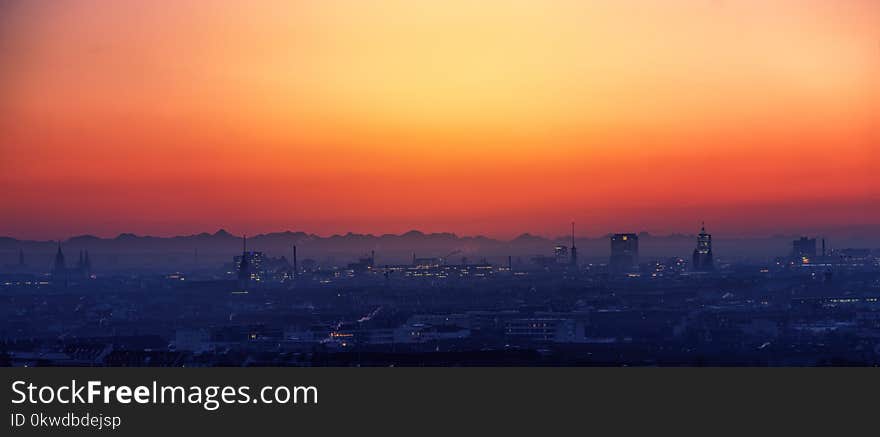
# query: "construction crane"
[446,258]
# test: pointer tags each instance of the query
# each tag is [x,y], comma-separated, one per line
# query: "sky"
[495,117]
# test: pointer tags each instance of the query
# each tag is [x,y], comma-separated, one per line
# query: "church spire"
[59,258]
[60,271]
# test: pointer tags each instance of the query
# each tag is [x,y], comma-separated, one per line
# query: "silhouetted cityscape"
[294,299]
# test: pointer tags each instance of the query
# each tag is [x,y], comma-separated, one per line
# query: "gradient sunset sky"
[491,117]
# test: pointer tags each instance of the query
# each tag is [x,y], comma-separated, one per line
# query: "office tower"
[574,253]
[250,265]
[703,260]
[560,252]
[257,264]
[804,249]
[624,253]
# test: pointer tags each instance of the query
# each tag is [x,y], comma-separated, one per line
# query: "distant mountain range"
[132,251]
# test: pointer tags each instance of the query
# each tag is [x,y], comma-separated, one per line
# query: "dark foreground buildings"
[262,311]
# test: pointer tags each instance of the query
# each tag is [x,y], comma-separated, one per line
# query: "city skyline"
[408,248]
[289,299]
[493,119]
[623,258]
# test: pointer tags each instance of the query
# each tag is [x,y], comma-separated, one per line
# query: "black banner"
[453,401]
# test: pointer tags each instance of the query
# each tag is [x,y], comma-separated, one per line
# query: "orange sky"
[495,117]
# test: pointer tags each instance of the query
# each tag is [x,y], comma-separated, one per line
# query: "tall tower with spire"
[59,272]
[244,274]
[574,253]
[703,260]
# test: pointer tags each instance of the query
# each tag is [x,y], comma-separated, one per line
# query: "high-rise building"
[804,249]
[703,260]
[251,265]
[560,253]
[574,254]
[624,253]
